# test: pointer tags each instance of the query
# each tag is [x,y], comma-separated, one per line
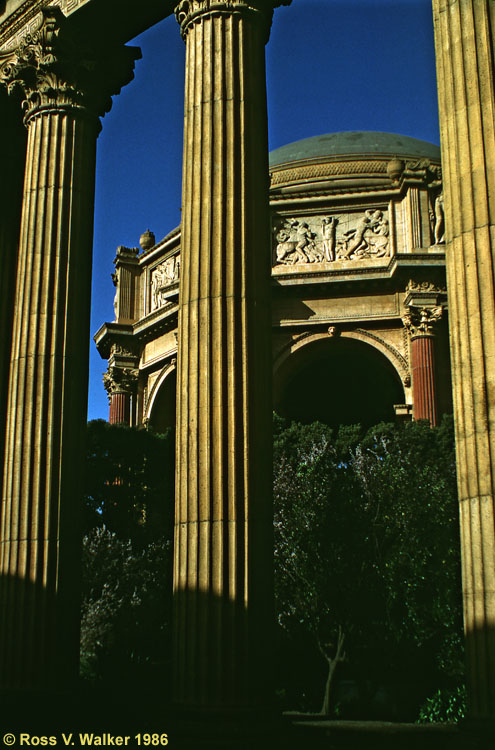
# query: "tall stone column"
[66,87]
[12,159]
[464,41]
[223,537]
[419,323]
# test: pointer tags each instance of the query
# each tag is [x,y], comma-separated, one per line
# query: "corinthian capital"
[57,71]
[420,321]
[189,11]
[120,380]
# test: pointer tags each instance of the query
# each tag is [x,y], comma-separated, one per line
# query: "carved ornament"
[162,276]
[425,286]
[188,12]
[424,169]
[325,239]
[120,380]
[437,220]
[280,176]
[121,351]
[56,71]
[420,321]
[399,359]
[126,253]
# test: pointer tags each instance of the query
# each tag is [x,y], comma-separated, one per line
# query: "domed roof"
[353,142]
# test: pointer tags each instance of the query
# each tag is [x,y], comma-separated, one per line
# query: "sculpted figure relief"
[296,244]
[439,229]
[316,240]
[328,229]
[161,277]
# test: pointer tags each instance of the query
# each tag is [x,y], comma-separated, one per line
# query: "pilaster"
[126,280]
[223,543]
[66,86]
[464,41]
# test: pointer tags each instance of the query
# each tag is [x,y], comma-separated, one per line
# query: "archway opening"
[162,416]
[338,381]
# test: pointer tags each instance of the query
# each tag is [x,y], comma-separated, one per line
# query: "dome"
[353,142]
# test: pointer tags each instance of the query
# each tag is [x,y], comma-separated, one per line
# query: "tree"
[129,482]
[366,550]
[126,609]
[127,554]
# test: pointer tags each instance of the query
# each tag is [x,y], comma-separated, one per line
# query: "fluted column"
[66,86]
[121,386]
[419,323]
[464,41]
[223,542]
[120,408]
[12,159]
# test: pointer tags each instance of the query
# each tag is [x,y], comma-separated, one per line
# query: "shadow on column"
[12,158]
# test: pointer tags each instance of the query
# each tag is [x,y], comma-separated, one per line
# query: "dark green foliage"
[366,556]
[129,482]
[448,704]
[127,555]
[126,609]
[366,542]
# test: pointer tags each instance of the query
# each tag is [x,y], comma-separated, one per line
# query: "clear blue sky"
[332,65]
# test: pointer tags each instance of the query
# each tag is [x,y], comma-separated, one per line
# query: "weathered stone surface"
[12,158]
[464,44]
[222,576]
[46,408]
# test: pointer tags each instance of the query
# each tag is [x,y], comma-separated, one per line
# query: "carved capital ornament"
[58,72]
[120,380]
[420,321]
[188,12]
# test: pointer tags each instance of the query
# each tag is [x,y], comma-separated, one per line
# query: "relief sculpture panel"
[162,276]
[326,239]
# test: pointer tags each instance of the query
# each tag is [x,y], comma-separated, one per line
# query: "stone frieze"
[162,276]
[329,238]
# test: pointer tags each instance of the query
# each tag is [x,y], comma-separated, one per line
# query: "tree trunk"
[332,666]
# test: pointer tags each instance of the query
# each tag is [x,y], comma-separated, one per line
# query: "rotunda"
[359,301]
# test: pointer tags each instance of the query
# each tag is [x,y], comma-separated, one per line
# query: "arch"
[340,379]
[167,375]
[396,359]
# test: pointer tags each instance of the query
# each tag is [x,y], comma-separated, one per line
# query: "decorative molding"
[57,72]
[188,12]
[404,365]
[120,350]
[397,360]
[157,383]
[330,169]
[424,169]
[425,286]
[420,321]
[120,380]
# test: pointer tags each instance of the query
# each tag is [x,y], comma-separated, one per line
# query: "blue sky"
[332,65]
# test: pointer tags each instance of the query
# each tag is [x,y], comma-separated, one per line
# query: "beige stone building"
[357,300]
[359,304]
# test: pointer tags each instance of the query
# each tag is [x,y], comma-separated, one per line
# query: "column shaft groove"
[47,403]
[465,70]
[222,576]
